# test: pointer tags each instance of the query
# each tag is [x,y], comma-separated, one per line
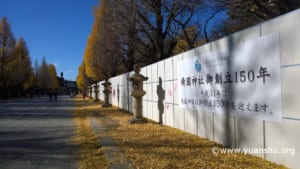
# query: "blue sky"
[54,29]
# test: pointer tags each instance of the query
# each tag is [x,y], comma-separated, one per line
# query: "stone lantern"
[137,93]
[96,89]
[106,91]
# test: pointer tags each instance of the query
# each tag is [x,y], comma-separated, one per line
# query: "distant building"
[70,86]
[66,86]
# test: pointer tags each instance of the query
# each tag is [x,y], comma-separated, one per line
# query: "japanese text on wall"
[244,81]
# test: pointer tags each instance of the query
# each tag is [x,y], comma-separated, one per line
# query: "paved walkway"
[35,134]
[112,152]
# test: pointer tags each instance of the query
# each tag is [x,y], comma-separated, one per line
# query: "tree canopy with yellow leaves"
[16,72]
[126,32]
[82,79]
[103,53]
[53,85]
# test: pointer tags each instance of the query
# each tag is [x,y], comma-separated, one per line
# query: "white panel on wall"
[199,50]
[144,71]
[169,92]
[151,93]
[145,109]
[116,80]
[245,35]
[114,95]
[168,115]
[224,129]
[169,68]
[110,98]
[121,88]
[191,121]
[155,112]
[223,43]
[175,75]
[145,97]
[101,90]
[150,111]
[149,74]
[161,70]
[284,137]
[178,117]
[190,54]
[176,58]
[192,96]
[148,90]
[290,98]
[288,26]
[125,92]
[249,134]
[154,77]
[123,103]
[118,90]
[124,79]
[236,38]
[175,91]
[205,125]
[155,87]
[93,91]
[112,81]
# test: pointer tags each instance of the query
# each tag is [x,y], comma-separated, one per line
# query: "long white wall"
[242,132]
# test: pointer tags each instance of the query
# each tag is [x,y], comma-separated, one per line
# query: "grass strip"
[161,147]
[90,153]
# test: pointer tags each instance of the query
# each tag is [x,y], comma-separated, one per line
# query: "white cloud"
[68,71]
[56,64]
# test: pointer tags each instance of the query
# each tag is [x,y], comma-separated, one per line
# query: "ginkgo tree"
[103,53]
[7,45]
[21,68]
[126,32]
[53,85]
[82,79]
[43,77]
[16,72]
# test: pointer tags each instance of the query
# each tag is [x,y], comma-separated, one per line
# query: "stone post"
[96,89]
[106,91]
[137,93]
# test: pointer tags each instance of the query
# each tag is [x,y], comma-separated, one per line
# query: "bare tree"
[246,13]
